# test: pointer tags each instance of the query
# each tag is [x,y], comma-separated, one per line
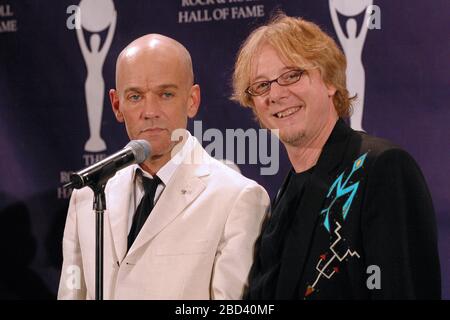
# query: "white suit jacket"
[197,243]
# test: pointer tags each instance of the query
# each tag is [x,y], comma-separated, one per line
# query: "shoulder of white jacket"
[225,174]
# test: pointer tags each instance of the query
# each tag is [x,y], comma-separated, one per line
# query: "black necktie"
[144,208]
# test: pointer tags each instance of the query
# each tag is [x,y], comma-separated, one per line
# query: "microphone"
[136,151]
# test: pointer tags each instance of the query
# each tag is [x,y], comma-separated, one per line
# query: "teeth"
[287,112]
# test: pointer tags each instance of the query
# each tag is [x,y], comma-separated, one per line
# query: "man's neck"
[155,163]
[306,155]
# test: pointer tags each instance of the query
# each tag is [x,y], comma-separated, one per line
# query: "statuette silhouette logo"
[95,16]
[352,43]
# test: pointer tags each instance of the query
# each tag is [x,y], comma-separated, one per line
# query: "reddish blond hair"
[302,43]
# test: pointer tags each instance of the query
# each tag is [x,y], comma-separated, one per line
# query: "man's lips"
[287,112]
[152,130]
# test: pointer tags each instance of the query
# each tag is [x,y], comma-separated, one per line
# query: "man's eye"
[262,85]
[167,95]
[134,97]
[293,75]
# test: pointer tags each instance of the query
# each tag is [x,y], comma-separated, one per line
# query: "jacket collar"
[185,185]
[331,156]
[298,240]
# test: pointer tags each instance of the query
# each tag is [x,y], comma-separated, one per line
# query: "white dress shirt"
[165,174]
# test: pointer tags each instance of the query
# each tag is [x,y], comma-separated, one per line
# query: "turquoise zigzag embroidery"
[342,189]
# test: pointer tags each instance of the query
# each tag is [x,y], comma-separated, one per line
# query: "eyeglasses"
[260,87]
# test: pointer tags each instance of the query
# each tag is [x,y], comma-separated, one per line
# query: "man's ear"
[331,89]
[114,98]
[193,101]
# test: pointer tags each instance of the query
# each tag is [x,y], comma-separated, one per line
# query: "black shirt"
[270,247]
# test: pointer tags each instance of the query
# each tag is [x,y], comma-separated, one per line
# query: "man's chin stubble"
[294,140]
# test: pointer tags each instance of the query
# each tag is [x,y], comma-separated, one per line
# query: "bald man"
[181,225]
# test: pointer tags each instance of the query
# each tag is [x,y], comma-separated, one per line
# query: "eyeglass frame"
[247,91]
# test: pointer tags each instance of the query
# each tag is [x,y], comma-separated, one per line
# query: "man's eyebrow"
[158,87]
[264,78]
[133,89]
[168,86]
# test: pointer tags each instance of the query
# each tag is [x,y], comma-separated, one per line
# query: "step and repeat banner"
[56,68]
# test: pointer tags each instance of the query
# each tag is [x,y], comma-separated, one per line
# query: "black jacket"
[364,228]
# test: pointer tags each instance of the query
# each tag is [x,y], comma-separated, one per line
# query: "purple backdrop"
[44,122]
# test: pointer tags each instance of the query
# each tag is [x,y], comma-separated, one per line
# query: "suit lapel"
[184,186]
[298,240]
[119,193]
[281,190]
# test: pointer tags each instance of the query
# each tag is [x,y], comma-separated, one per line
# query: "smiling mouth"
[286,113]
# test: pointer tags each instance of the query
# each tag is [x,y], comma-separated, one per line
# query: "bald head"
[155,95]
[155,46]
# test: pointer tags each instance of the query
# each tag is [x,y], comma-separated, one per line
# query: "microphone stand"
[97,183]
[99,206]
[96,177]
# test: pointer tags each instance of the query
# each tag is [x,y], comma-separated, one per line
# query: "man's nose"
[277,93]
[151,107]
